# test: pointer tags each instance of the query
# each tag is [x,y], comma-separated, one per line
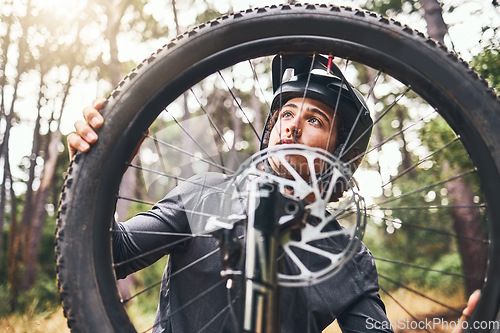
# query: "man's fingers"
[471,304]
[85,132]
[98,103]
[76,143]
[92,116]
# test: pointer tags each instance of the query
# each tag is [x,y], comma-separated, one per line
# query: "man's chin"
[293,163]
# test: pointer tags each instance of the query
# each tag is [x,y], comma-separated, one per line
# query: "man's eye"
[315,121]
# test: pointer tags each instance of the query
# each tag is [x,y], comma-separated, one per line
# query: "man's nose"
[294,129]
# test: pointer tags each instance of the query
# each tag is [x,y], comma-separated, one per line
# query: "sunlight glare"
[58,7]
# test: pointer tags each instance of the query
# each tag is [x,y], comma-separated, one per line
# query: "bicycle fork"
[269,214]
[252,261]
[261,301]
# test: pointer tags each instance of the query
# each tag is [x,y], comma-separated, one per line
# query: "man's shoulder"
[198,186]
[216,179]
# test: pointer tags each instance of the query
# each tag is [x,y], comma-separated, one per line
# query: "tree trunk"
[12,266]
[113,27]
[467,223]
[433,15]
[3,203]
[176,20]
[12,260]
[27,217]
[39,215]
[406,156]
[42,195]
[7,179]
[15,236]
[12,252]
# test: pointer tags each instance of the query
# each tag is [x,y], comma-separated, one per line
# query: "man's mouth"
[287,141]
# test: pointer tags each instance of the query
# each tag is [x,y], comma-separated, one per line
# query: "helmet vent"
[288,74]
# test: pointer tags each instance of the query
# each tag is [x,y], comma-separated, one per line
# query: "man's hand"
[471,304]
[85,134]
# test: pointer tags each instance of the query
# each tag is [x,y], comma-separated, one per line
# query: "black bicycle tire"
[86,279]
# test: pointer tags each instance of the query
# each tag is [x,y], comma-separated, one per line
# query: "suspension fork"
[261,309]
[251,262]
[269,215]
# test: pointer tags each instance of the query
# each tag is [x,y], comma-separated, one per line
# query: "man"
[318,110]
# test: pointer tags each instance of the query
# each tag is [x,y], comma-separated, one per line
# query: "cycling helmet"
[318,78]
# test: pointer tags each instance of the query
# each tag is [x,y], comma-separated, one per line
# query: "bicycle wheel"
[415,86]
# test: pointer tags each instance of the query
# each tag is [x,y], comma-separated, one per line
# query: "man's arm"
[367,314]
[130,239]
[148,236]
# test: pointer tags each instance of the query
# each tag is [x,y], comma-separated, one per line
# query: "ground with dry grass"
[421,308]
[53,322]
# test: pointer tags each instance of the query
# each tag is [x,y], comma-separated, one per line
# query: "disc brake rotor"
[334,222]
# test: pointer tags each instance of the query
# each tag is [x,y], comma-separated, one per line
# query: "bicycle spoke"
[457,311]
[428,269]
[212,122]
[406,171]
[239,106]
[390,138]
[145,254]
[431,230]
[187,211]
[430,207]
[182,307]
[194,140]
[401,306]
[188,153]
[177,178]
[375,121]
[424,188]
[261,89]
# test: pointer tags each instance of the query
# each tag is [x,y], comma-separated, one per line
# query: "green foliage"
[387,7]
[5,297]
[487,62]
[454,155]
[147,279]
[207,15]
[447,283]
[44,296]
[488,65]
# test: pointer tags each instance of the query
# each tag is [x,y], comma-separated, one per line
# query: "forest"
[56,56]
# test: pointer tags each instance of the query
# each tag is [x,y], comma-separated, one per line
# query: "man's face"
[308,122]
[305,121]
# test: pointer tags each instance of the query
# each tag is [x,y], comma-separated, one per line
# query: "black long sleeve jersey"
[193,296]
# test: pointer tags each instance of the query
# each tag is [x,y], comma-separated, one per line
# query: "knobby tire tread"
[80,287]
